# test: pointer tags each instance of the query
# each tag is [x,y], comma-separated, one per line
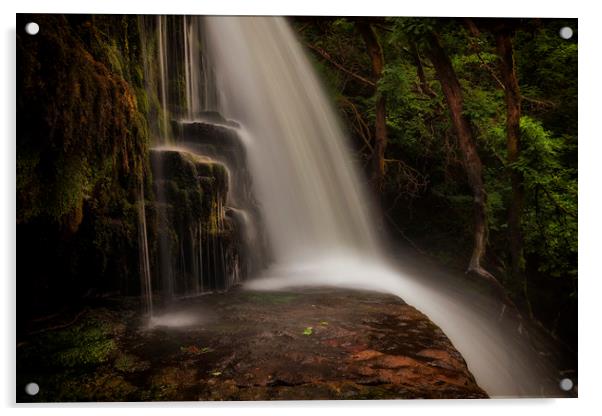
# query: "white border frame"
[589,151]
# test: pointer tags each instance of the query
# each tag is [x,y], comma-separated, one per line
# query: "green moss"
[81,346]
[195,187]
[128,363]
[82,151]
[79,119]
[272,298]
[100,387]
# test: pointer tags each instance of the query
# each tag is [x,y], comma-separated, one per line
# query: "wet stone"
[255,346]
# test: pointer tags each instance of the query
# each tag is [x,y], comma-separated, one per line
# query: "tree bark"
[470,158]
[507,67]
[423,84]
[377,59]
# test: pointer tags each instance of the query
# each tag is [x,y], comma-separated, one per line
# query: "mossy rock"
[84,345]
[78,120]
[191,183]
[276,298]
[82,157]
[129,363]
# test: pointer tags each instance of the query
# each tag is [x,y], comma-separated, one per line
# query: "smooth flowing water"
[316,211]
[310,193]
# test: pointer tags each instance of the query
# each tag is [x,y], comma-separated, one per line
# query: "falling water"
[310,193]
[145,272]
[315,207]
[162,36]
[163,137]
[192,63]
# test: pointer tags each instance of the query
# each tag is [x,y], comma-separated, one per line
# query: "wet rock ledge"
[243,345]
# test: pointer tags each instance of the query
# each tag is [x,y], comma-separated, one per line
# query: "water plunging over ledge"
[315,209]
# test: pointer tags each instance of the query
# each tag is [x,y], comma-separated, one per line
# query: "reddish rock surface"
[311,344]
[303,344]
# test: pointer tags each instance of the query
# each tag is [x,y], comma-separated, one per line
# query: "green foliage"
[81,346]
[413,27]
[547,70]
[426,194]
[550,222]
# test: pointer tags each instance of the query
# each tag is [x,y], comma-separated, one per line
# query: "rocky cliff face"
[85,167]
[82,158]
[220,140]
[201,242]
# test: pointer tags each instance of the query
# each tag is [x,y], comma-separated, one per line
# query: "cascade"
[193,235]
[248,81]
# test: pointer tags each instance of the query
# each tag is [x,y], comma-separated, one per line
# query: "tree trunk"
[380,135]
[503,39]
[470,158]
[423,84]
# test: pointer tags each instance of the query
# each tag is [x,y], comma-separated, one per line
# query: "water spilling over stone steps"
[208,234]
[204,223]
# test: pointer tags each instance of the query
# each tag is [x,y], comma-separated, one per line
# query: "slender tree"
[377,59]
[471,161]
[507,68]
[503,32]
[423,84]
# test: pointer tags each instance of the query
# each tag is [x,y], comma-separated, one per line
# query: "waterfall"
[193,66]
[311,196]
[314,207]
[314,203]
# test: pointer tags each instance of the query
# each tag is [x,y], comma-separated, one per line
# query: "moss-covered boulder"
[226,141]
[197,244]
